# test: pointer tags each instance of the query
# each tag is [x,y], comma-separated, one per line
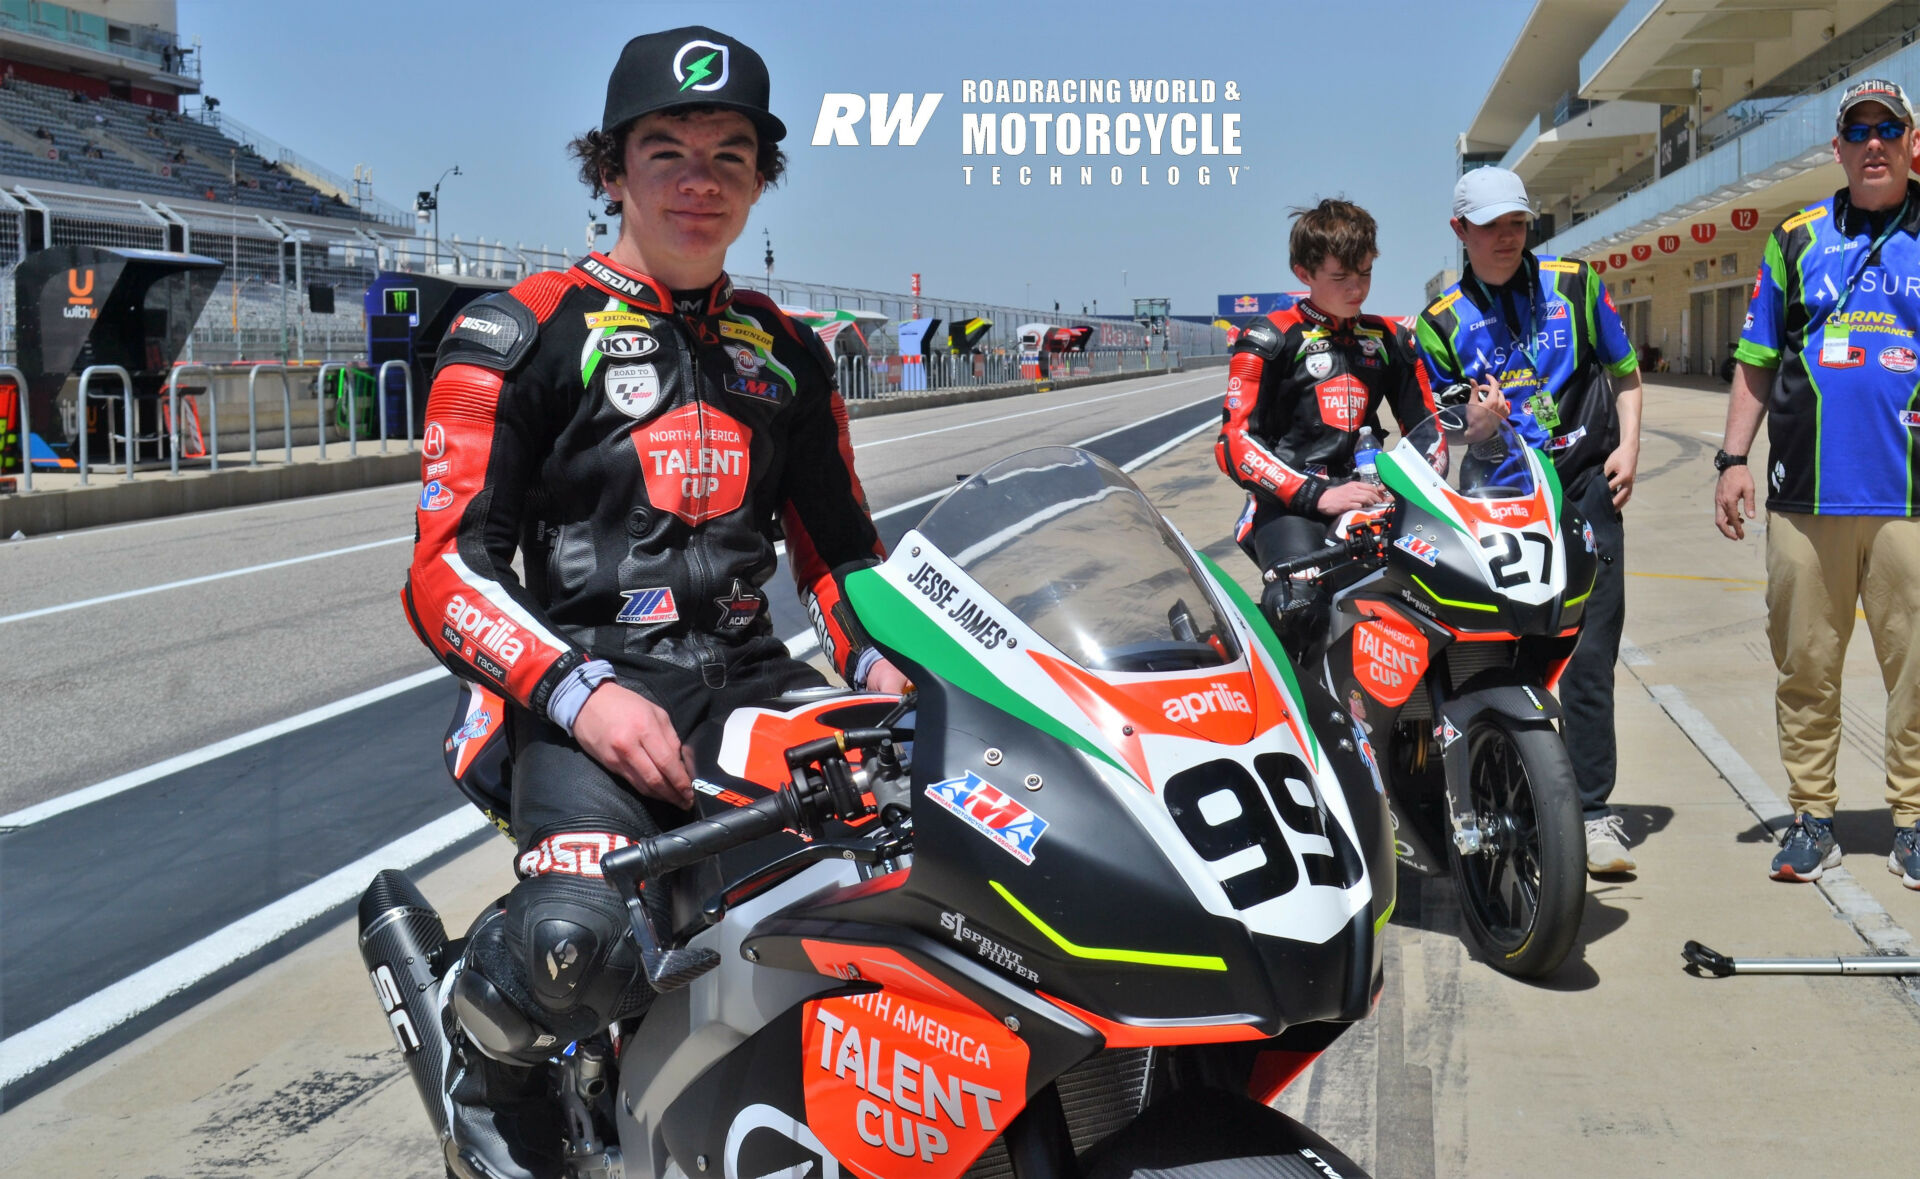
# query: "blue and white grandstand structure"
[105,140]
[1664,139]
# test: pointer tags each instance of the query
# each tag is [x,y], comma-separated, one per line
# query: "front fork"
[1525,704]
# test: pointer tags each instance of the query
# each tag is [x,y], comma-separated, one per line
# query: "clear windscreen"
[1068,544]
[1474,450]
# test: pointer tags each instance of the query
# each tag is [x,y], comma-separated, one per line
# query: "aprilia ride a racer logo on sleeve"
[492,632]
[695,462]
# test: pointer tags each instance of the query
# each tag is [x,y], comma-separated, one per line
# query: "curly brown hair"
[1334,229]
[603,153]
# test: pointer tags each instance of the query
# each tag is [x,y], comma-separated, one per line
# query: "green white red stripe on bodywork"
[976,645]
[1408,474]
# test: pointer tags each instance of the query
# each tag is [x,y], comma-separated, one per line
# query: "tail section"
[403,942]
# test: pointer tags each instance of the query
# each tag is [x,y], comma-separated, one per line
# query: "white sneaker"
[1607,846]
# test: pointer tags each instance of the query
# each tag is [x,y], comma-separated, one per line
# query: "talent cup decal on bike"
[1389,655]
[694,460]
[1343,401]
[898,1084]
[988,810]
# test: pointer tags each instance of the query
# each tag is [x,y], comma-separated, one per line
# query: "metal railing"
[870,378]
[380,391]
[286,414]
[173,420]
[126,389]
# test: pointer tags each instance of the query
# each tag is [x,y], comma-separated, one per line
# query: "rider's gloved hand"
[633,738]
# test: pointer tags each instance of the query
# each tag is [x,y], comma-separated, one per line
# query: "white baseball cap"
[1486,193]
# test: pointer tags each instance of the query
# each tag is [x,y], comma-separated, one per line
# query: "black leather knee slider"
[575,949]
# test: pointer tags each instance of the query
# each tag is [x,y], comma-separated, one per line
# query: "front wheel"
[1523,890]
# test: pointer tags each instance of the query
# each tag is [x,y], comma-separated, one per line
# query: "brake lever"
[667,969]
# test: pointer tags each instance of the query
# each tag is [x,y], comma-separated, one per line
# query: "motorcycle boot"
[503,1119]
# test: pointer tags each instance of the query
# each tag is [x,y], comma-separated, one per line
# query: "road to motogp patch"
[633,389]
[1899,360]
[647,607]
[982,806]
[694,460]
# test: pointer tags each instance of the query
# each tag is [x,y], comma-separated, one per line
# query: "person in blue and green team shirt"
[1828,355]
[1545,333]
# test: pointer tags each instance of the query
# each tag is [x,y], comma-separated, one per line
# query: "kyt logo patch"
[694,460]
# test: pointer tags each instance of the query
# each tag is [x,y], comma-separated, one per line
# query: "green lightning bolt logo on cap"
[701,73]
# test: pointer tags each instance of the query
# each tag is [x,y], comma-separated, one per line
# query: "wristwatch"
[1722,460]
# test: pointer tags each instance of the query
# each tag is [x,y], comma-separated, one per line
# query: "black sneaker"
[502,1122]
[1808,852]
[1904,861]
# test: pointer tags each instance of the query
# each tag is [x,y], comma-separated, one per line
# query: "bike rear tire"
[1522,901]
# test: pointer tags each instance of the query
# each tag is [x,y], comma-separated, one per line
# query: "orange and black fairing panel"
[913,1077]
[1064,891]
[1378,663]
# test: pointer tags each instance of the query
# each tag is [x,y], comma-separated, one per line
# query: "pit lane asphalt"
[100,891]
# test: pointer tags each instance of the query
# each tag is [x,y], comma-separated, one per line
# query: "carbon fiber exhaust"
[402,942]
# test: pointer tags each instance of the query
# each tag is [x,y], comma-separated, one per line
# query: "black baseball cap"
[690,66]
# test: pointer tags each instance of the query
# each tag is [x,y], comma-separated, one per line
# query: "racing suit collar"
[639,290]
[1321,318]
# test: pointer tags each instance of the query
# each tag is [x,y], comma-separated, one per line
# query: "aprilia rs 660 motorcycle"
[1454,612]
[1106,884]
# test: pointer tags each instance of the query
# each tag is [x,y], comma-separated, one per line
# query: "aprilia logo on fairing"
[495,634]
[1217,698]
[1509,510]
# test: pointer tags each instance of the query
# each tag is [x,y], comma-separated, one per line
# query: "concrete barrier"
[115,502]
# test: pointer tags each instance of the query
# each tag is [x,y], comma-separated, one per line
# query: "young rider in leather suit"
[639,432]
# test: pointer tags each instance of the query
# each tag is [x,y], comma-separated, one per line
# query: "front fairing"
[1142,814]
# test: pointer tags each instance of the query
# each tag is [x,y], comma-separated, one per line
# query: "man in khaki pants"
[1830,338]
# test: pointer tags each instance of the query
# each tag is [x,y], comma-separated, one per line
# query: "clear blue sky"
[1361,100]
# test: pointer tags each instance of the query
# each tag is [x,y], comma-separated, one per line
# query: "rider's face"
[1336,288]
[1494,248]
[689,184]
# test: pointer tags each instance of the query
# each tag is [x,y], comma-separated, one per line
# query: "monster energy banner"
[88,305]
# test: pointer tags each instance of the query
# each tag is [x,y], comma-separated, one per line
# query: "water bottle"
[1366,457]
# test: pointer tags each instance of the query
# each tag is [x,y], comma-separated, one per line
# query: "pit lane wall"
[109,500]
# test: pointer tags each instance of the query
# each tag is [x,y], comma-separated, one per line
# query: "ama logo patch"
[983,807]
[1424,550]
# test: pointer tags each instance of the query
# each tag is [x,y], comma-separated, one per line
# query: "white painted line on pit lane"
[173,585]
[34,1048]
[188,517]
[40,812]
[1632,655]
[26,1052]
[1868,917]
[1031,412]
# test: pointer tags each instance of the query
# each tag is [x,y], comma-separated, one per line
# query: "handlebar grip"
[692,842]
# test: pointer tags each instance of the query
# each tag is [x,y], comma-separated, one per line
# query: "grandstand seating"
[110,143]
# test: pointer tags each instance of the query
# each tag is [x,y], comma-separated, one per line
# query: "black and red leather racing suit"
[641,450]
[1300,385]
[642,460]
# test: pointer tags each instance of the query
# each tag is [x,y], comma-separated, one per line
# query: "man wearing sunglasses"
[1829,352]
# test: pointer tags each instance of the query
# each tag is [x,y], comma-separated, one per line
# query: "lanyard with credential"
[1854,275]
[1498,305]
